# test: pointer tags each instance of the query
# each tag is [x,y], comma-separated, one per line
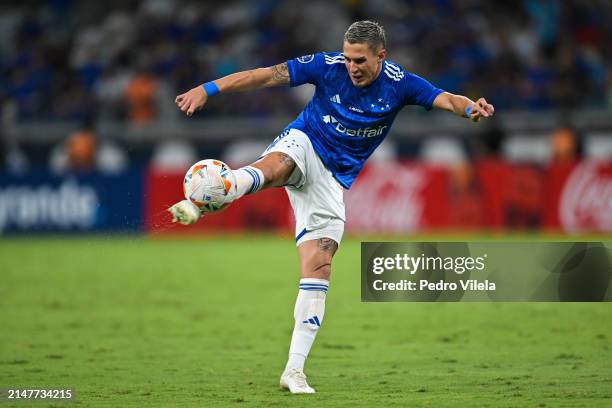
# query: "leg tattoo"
[286,160]
[328,245]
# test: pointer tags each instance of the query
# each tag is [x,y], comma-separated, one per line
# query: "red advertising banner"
[397,198]
[512,195]
[413,197]
[567,197]
[556,177]
[585,200]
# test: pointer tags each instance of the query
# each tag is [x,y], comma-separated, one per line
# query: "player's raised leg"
[272,170]
[315,270]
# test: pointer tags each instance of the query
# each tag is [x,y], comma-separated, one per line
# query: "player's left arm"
[463,106]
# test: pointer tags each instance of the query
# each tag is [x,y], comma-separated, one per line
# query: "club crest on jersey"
[306,58]
[361,132]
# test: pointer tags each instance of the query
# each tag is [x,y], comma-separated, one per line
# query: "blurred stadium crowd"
[68,60]
[123,62]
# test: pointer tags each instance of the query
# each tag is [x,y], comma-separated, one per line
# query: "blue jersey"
[346,123]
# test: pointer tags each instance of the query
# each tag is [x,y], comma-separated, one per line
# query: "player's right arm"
[196,98]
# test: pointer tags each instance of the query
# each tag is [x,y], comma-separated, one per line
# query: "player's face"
[362,64]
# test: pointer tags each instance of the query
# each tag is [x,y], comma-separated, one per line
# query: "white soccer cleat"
[185,212]
[295,381]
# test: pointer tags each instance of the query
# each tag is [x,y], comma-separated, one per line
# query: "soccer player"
[358,94]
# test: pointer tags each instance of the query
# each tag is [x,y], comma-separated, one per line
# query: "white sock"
[249,180]
[308,314]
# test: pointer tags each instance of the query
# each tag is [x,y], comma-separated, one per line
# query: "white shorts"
[315,195]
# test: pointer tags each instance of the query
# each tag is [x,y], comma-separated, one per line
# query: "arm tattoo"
[280,74]
[328,245]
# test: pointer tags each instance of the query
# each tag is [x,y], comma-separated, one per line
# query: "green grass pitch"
[193,322]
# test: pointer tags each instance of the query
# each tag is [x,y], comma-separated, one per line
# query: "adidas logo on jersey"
[329,119]
[335,98]
[393,71]
[361,132]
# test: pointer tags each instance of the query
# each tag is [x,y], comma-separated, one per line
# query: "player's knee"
[316,258]
[318,271]
[324,271]
[272,176]
[276,167]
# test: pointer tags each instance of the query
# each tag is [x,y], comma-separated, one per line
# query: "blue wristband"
[468,111]
[210,88]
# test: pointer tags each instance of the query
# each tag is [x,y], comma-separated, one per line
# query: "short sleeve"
[305,69]
[418,91]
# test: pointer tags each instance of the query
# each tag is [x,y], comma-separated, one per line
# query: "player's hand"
[481,109]
[192,100]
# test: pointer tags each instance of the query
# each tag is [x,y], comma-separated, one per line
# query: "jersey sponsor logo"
[338,59]
[393,71]
[335,99]
[360,132]
[305,59]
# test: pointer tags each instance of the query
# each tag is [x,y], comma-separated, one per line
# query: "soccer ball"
[210,185]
